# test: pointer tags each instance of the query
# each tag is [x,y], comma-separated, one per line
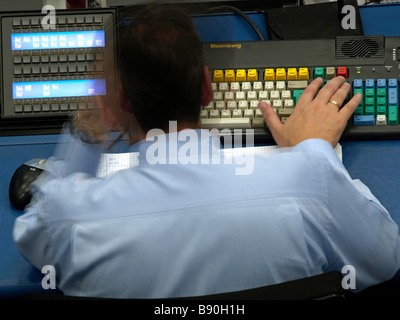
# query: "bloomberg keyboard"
[243,73]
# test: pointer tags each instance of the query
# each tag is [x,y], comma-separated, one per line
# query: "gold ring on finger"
[335,103]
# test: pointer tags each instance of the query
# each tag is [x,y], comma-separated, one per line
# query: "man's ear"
[206,89]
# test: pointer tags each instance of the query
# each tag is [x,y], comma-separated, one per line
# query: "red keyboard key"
[342,71]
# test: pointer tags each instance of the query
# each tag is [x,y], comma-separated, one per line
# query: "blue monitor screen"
[52,89]
[57,40]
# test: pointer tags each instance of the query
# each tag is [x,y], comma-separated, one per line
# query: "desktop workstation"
[372,161]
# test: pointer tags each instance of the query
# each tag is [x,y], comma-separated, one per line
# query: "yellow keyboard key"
[292,74]
[252,75]
[269,74]
[280,74]
[218,76]
[230,76]
[304,74]
[241,75]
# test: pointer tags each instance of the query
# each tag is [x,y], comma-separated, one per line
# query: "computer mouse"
[19,190]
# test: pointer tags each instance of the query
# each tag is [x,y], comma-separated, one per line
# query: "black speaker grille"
[360,47]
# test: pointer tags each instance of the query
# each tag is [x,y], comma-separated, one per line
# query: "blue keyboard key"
[393,97]
[369,84]
[358,84]
[393,83]
[381,83]
[365,120]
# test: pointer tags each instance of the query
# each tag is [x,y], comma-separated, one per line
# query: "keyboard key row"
[244,105]
[252,95]
[271,74]
[375,84]
[251,113]
[226,113]
[36,70]
[53,107]
[61,21]
[53,58]
[379,120]
[259,86]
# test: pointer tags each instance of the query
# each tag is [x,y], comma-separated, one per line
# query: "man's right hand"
[316,114]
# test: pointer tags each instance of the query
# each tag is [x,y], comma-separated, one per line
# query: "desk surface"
[373,162]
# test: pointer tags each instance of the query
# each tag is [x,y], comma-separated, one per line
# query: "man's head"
[161,67]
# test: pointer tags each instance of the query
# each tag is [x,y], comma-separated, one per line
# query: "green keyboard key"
[296,95]
[319,73]
[370,93]
[381,101]
[369,111]
[381,92]
[369,102]
[359,111]
[381,109]
[393,115]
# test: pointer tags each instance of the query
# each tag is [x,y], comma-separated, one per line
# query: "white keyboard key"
[203,114]
[285,112]
[220,105]
[258,114]
[258,123]
[240,95]
[248,113]
[214,114]
[274,95]
[269,86]
[226,123]
[381,120]
[253,105]
[218,96]
[263,95]
[257,86]
[246,86]
[243,105]
[297,84]
[229,96]
[231,105]
[223,87]
[237,113]
[277,104]
[235,87]
[251,95]
[225,113]
[280,85]
[286,95]
[214,86]
[330,72]
[288,103]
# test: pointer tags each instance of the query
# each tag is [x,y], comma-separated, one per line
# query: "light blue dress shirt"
[175,229]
